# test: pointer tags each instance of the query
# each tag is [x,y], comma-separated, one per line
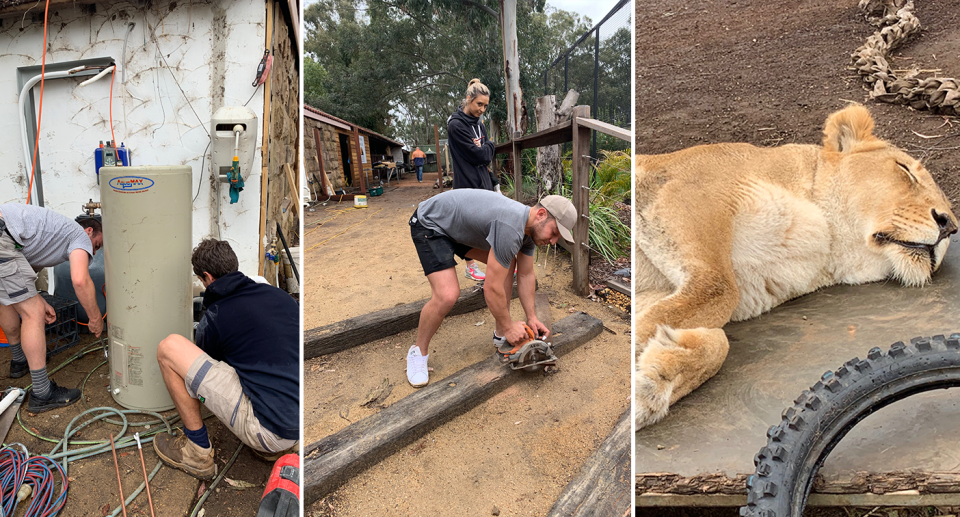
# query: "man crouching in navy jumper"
[244,367]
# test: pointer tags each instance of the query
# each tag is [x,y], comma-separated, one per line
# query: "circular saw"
[530,354]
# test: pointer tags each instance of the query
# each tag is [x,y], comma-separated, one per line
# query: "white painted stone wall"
[212,49]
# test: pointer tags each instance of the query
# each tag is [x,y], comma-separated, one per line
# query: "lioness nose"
[944,222]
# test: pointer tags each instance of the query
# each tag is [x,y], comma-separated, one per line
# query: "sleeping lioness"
[733,230]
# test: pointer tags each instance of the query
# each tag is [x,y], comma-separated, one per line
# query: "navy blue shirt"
[255,328]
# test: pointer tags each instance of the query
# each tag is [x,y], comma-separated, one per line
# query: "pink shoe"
[473,272]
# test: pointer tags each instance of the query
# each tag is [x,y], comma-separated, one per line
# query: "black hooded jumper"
[469,161]
[255,328]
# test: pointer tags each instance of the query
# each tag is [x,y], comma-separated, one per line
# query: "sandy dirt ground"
[769,73]
[93,481]
[513,453]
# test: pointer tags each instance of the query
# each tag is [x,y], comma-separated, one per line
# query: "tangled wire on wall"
[897,24]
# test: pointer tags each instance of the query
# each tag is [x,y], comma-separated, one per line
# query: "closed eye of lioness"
[733,230]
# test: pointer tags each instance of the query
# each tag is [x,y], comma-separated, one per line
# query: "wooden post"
[323,173]
[549,164]
[436,145]
[446,160]
[294,189]
[580,165]
[439,157]
[517,171]
[322,185]
[264,157]
[549,167]
[359,162]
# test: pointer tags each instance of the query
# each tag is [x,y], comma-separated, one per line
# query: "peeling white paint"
[151,116]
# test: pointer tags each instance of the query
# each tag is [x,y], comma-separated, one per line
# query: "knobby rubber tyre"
[822,416]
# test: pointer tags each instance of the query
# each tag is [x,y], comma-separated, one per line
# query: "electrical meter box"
[107,156]
[222,129]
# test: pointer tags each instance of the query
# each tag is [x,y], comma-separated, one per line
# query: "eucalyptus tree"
[400,67]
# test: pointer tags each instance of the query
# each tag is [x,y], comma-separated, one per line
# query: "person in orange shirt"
[419,157]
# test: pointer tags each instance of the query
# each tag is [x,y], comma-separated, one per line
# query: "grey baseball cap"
[563,211]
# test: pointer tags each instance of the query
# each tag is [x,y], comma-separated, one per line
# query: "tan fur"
[733,230]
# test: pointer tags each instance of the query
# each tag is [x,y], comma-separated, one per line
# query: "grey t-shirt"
[46,236]
[481,219]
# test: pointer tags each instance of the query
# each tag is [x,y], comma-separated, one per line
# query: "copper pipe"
[146,480]
[116,465]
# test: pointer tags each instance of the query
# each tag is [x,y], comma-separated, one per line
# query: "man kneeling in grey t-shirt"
[491,228]
[31,238]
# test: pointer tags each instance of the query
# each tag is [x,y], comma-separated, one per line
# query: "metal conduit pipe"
[102,73]
[27,160]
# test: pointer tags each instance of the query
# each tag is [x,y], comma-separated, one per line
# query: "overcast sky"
[593,9]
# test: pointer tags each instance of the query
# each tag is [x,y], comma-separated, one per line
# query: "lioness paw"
[661,336]
[666,336]
[652,399]
[673,363]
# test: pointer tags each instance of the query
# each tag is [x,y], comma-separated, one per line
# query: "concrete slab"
[707,442]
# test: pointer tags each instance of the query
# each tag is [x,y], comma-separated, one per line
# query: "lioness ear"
[847,128]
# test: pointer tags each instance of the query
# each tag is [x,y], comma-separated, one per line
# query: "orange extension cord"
[103,289]
[43,68]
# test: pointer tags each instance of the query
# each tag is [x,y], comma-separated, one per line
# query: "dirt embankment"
[769,73]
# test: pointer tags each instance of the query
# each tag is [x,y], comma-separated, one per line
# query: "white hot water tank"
[147,236]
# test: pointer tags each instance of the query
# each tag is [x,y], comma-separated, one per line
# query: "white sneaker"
[473,272]
[498,341]
[417,373]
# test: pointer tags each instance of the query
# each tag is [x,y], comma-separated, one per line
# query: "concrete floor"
[719,428]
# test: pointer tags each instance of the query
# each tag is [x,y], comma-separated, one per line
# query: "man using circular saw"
[489,227]
[32,238]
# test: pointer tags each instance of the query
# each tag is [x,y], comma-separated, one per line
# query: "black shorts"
[436,251]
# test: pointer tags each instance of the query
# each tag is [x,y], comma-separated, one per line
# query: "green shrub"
[609,184]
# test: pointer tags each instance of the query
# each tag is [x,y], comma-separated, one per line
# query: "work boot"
[18,369]
[178,451]
[58,397]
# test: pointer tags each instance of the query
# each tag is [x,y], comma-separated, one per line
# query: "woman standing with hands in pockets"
[471,151]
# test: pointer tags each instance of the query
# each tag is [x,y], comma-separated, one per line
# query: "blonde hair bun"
[475,89]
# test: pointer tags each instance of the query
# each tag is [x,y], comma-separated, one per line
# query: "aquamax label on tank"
[131,184]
